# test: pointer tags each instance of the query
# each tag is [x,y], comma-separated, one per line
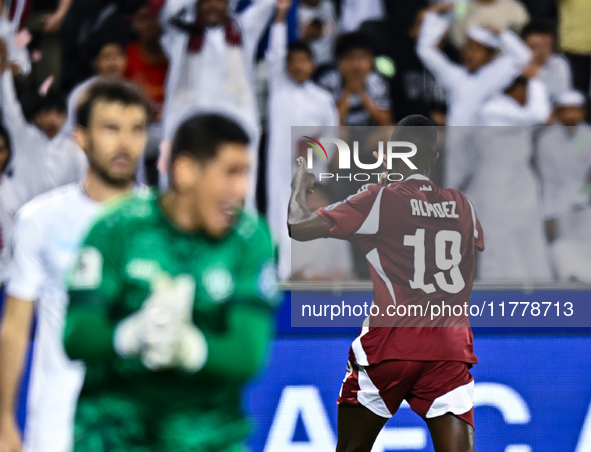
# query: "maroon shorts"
[432,388]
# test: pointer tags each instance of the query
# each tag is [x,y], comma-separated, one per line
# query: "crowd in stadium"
[274,64]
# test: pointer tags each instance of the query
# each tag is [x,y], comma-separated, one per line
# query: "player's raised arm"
[304,225]
[12,113]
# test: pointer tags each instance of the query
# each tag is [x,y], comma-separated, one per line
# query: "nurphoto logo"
[390,150]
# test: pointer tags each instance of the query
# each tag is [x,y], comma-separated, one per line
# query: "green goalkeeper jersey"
[129,247]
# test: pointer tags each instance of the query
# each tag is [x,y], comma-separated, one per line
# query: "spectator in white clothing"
[290,70]
[490,62]
[361,94]
[44,158]
[504,187]
[211,56]
[553,69]
[355,12]
[564,159]
[317,24]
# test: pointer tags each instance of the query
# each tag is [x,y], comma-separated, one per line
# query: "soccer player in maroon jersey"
[420,242]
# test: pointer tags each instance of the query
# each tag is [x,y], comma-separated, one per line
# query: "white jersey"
[48,232]
[310,106]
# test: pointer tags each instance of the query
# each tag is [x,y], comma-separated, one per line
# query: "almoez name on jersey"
[446,209]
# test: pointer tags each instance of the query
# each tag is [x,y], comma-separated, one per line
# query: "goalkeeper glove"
[161,332]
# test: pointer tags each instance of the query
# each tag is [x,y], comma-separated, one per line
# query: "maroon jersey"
[419,241]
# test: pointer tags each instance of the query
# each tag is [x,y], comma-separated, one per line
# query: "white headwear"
[570,98]
[485,37]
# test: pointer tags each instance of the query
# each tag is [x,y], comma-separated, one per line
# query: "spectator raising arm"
[277,51]
[432,31]
[255,19]
[53,22]
[514,59]
[12,113]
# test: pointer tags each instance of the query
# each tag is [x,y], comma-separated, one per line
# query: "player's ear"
[183,172]
[79,135]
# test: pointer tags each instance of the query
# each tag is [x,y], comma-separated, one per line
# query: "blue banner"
[532,393]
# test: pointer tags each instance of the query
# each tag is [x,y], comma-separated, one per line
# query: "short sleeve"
[256,277]
[359,214]
[27,272]
[96,279]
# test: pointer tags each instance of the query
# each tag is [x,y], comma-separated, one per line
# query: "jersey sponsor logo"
[426,188]
[446,209]
[247,226]
[88,272]
[143,269]
[267,280]
[218,283]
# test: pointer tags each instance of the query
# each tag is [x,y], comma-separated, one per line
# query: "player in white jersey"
[112,119]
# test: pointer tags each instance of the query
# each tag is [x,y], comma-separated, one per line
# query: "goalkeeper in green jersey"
[171,305]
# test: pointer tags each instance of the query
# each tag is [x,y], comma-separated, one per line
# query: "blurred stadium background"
[533,390]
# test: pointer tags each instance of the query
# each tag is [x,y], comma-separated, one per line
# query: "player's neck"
[180,211]
[99,191]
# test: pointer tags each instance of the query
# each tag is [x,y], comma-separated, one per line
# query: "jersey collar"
[417,176]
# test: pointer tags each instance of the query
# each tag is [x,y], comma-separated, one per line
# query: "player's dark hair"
[538,26]
[353,41]
[201,136]
[300,46]
[420,131]
[111,92]
[4,134]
